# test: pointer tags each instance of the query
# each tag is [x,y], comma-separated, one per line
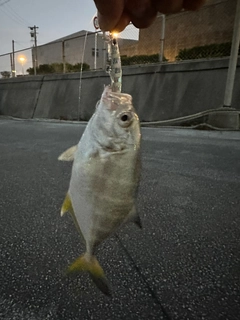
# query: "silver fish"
[105,177]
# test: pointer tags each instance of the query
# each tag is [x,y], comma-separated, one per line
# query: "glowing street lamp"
[22,60]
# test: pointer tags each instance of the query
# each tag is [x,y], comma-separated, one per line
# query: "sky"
[54,19]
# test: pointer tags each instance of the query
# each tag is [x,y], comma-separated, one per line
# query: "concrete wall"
[59,98]
[19,96]
[159,92]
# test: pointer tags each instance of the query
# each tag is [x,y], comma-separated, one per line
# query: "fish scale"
[109,197]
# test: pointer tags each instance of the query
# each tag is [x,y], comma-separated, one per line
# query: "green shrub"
[5,74]
[77,67]
[140,59]
[58,68]
[208,51]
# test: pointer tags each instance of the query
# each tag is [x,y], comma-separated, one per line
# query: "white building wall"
[74,51]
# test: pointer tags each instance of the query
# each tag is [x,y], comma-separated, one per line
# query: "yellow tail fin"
[92,266]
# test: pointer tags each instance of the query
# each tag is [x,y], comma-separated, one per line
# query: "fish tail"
[92,266]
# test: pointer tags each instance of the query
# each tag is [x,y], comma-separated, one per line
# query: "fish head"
[118,118]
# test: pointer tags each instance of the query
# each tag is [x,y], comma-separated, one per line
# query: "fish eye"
[124,117]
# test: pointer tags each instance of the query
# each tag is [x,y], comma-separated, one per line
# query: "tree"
[5,74]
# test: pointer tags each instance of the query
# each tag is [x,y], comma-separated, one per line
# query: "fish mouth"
[125,118]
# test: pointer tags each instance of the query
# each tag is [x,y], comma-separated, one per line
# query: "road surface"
[184,264]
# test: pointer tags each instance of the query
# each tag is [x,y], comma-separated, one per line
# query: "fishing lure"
[113,66]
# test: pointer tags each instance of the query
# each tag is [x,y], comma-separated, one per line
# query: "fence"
[16,64]
[206,33]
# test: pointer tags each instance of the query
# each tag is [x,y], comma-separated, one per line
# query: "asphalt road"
[184,264]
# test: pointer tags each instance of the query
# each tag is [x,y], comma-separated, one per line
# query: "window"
[93,52]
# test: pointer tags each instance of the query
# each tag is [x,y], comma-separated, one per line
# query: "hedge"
[58,68]
[208,51]
[140,59]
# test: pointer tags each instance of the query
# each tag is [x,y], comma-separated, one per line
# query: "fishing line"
[81,69]
[152,291]
[80,79]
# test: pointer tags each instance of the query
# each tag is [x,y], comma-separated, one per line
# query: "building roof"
[73,35]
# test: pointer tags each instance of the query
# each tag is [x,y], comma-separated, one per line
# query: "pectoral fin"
[68,155]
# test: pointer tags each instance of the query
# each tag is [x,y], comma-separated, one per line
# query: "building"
[212,24]
[78,47]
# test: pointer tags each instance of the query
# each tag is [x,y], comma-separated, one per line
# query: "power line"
[6,54]
[20,44]
[12,18]
[56,41]
[17,15]
[12,14]
[4,2]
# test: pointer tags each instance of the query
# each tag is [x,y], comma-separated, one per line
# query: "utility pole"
[33,34]
[162,39]
[63,56]
[233,59]
[13,61]
[95,52]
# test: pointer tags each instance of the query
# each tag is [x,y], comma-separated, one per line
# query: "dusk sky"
[55,19]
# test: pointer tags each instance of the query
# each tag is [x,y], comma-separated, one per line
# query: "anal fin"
[67,205]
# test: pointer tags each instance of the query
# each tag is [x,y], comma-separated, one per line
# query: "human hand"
[115,15]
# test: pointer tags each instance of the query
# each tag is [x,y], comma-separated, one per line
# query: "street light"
[22,60]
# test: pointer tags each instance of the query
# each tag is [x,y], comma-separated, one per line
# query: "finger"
[193,4]
[168,6]
[141,12]
[122,23]
[109,13]
[146,22]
